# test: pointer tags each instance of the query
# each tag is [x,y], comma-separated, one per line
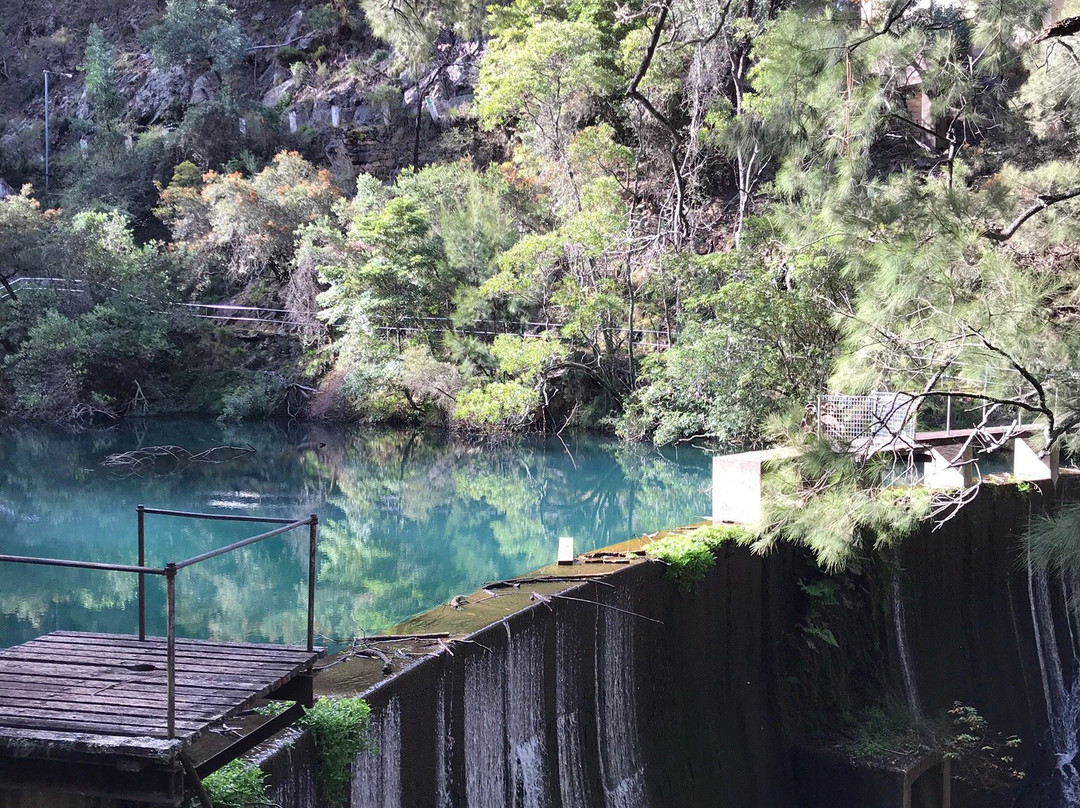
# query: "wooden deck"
[99,700]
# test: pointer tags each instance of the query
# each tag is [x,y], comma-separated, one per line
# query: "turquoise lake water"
[407,521]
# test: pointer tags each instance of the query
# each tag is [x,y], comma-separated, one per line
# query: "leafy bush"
[322,18]
[288,55]
[339,727]
[750,348]
[689,556]
[498,405]
[256,395]
[239,784]
[196,31]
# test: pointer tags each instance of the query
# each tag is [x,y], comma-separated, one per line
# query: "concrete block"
[736,485]
[1027,465]
[566,550]
[949,466]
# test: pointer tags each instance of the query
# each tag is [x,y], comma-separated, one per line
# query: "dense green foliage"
[197,32]
[690,555]
[239,784]
[673,221]
[339,727]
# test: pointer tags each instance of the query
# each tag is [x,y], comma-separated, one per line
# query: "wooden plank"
[155,650]
[103,673]
[19,740]
[189,647]
[15,681]
[82,694]
[81,673]
[121,638]
[134,661]
[190,711]
[191,685]
[21,683]
[42,719]
[90,712]
[132,725]
[111,697]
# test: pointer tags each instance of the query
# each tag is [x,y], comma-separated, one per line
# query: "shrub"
[196,31]
[339,727]
[288,55]
[239,784]
[256,395]
[689,556]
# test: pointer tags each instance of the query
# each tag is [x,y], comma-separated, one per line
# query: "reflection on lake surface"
[407,521]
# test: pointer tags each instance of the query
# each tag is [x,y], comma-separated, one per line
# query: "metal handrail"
[86,565]
[171,568]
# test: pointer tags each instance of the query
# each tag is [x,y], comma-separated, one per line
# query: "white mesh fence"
[867,423]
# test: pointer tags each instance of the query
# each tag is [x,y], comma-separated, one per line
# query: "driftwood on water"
[175,457]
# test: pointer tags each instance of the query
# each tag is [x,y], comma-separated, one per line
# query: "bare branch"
[1043,201]
[1065,27]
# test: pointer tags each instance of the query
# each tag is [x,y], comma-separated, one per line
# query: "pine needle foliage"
[836,505]
[1053,541]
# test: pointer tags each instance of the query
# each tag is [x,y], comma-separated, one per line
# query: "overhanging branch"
[1043,201]
[1066,27]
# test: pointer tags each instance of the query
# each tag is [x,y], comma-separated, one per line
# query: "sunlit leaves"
[546,79]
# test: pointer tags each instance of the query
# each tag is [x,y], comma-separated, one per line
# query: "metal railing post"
[311,582]
[170,586]
[141,512]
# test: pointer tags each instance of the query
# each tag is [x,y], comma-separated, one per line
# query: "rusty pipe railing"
[170,570]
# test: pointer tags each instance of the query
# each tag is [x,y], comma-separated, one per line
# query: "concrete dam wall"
[570,704]
[622,692]
[588,702]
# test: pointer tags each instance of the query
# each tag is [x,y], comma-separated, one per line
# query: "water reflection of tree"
[407,521]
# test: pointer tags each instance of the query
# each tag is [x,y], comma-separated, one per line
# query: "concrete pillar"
[949,466]
[736,485]
[1027,465]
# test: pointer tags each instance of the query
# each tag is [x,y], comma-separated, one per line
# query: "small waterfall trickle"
[525,717]
[289,762]
[485,741]
[377,777]
[444,752]
[573,780]
[1061,689]
[911,688]
[621,767]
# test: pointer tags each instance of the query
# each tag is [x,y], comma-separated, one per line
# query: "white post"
[736,485]
[566,550]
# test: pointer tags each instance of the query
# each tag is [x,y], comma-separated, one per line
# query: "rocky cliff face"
[314,75]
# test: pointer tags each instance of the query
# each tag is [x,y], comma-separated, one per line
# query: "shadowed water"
[407,521]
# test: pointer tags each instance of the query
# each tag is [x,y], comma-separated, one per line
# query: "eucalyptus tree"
[421,34]
[195,33]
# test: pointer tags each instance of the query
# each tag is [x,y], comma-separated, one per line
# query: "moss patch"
[689,556]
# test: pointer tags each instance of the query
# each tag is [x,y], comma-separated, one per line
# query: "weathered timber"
[98,703]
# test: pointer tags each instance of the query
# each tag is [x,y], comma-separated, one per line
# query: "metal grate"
[867,424]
